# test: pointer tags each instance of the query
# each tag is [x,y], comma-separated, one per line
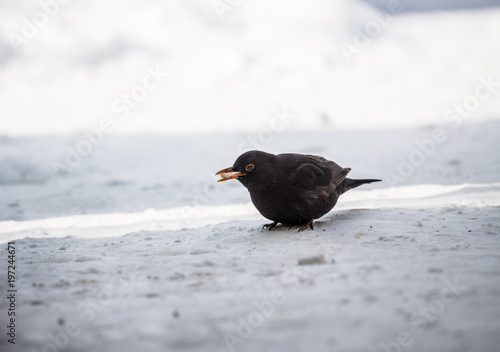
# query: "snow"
[139,250]
[126,241]
[413,67]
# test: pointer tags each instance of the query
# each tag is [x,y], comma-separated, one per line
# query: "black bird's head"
[252,169]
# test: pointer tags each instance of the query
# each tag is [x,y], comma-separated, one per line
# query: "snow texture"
[186,274]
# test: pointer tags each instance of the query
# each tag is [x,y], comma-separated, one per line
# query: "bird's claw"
[301,227]
[309,223]
[270,226]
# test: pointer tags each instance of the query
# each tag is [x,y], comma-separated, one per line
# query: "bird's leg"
[309,223]
[270,226]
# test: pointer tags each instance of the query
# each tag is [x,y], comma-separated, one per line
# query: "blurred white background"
[229,67]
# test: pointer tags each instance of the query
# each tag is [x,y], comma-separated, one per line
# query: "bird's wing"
[317,177]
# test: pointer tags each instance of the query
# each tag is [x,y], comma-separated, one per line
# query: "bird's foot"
[270,226]
[304,227]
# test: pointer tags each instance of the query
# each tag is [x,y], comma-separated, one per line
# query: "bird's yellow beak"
[228,174]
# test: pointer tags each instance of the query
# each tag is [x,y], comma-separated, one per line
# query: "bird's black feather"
[293,189]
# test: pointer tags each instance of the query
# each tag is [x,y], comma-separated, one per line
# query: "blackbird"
[291,189]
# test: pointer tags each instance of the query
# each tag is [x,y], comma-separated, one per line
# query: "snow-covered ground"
[140,249]
[125,241]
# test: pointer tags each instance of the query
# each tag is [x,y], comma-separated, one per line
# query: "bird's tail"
[350,184]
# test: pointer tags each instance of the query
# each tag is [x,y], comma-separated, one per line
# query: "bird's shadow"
[340,215]
[337,218]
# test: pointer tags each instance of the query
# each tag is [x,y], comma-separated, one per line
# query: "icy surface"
[139,248]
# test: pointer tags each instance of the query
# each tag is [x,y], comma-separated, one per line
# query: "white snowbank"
[228,75]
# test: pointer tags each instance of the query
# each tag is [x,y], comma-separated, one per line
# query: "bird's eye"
[249,167]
